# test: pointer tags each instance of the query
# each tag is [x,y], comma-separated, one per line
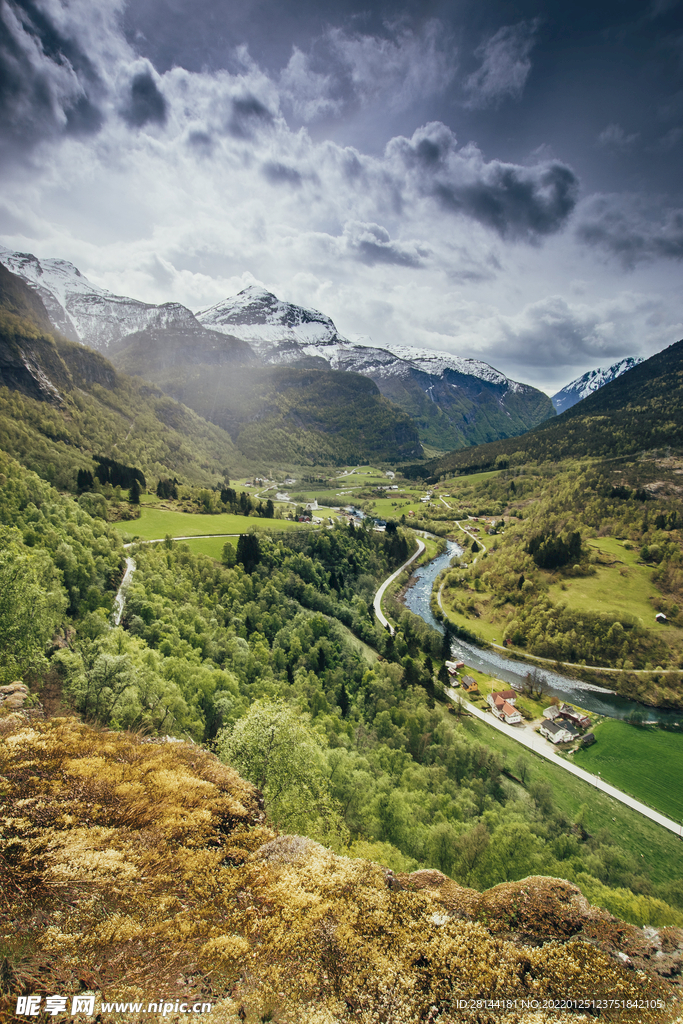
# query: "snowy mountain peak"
[591,381]
[270,325]
[84,311]
[435,362]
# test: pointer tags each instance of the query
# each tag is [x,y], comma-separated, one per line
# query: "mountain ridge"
[591,381]
[637,411]
[454,401]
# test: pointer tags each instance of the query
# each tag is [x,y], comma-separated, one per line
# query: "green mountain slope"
[458,410]
[61,404]
[301,414]
[641,410]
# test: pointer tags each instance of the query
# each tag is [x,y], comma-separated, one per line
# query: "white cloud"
[505,65]
[614,137]
[401,67]
[310,93]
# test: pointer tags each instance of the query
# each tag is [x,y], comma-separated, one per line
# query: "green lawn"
[156,522]
[645,763]
[643,838]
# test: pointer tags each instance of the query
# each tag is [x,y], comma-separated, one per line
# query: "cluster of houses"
[564,723]
[468,683]
[561,723]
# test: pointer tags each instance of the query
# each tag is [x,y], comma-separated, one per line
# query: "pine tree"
[344,703]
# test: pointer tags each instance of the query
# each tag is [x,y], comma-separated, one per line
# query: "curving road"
[377,603]
[530,739]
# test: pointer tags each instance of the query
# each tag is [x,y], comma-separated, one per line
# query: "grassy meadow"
[625,587]
[643,838]
[645,763]
[157,522]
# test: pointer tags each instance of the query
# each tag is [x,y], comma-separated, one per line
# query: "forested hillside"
[640,410]
[296,414]
[61,404]
[370,761]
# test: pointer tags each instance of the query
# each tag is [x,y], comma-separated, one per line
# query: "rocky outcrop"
[133,868]
[12,696]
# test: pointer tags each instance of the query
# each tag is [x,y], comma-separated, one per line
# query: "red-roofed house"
[503,709]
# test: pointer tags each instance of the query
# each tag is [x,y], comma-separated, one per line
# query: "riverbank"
[597,700]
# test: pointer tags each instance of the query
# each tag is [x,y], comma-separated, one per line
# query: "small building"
[570,714]
[470,685]
[558,732]
[551,713]
[454,667]
[660,617]
[588,740]
[509,695]
[503,709]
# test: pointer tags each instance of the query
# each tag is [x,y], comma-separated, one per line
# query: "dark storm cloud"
[515,201]
[371,244]
[48,84]
[624,228]
[145,103]
[555,333]
[280,174]
[248,115]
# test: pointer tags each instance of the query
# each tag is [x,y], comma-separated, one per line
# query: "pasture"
[646,763]
[157,522]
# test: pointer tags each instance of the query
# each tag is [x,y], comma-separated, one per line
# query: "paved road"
[539,745]
[377,603]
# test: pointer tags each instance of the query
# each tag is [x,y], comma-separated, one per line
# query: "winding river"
[586,695]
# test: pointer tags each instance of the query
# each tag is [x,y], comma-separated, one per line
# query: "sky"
[495,179]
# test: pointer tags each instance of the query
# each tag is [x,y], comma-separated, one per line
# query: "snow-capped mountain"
[591,381]
[456,401]
[273,328]
[282,332]
[85,312]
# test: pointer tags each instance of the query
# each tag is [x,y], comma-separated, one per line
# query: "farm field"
[157,522]
[394,508]
[629,829]
[645,763]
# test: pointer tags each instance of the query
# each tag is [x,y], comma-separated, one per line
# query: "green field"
[645,763]
[157,522]
[620,589]
[455,482]
[211,546]
[661,849]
